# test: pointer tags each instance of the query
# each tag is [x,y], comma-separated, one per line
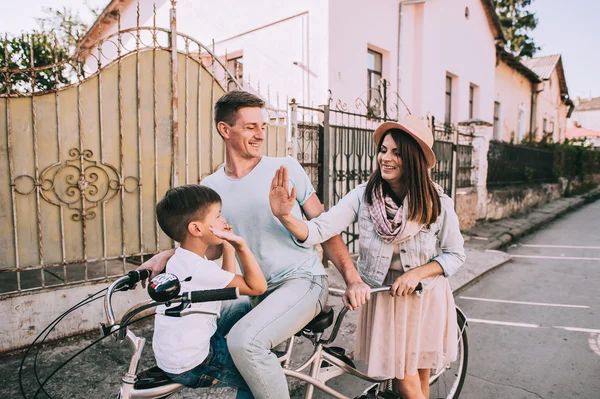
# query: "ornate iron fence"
[87,160]
[352,159]
[308,142]
[515,164]
[453,149]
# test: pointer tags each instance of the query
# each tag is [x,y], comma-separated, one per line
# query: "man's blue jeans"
[218,369]
[281,312]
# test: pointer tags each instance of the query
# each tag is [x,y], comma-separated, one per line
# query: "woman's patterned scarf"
[390,220]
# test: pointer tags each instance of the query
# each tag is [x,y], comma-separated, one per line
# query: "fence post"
[292,129]
[479,159]
[174,96]
[327,164]
[454,178]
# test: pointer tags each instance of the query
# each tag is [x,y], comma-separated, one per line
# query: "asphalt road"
[535,322]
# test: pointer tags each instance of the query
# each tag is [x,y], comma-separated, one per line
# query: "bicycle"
[326,362]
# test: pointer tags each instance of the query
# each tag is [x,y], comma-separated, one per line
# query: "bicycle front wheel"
[448,382]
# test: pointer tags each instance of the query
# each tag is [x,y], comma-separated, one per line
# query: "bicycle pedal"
[389,395]
[339,353]
[374,393]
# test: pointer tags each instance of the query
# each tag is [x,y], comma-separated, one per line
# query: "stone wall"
[466,207]
[507,201]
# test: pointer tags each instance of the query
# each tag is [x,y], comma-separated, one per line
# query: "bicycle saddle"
[152,378]
[320,323]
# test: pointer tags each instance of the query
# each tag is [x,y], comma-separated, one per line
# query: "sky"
[568,27]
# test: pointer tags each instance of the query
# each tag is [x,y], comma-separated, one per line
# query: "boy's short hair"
[228,105]
[181,205]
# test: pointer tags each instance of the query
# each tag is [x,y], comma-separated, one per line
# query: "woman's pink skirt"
[399,335]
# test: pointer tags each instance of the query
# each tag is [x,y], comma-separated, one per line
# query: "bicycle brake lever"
[176,311]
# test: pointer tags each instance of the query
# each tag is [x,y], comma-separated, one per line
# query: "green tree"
[66,24]
[15,53]
[517,23]
[56,39]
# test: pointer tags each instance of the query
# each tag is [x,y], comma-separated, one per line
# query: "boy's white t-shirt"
[182,343]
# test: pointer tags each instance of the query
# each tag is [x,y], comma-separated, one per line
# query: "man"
[297,282]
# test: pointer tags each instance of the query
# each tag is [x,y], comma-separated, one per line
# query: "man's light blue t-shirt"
[246,207]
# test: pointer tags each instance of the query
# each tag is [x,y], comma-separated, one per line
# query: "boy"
[192,349]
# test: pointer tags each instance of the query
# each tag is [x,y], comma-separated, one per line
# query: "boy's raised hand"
[281,200]
[227,235]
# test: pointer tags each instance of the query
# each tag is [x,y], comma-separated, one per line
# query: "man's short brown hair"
[228,105]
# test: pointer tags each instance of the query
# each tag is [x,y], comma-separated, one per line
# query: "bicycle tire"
[462,359]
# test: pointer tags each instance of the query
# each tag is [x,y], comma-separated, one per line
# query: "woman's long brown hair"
[424,205]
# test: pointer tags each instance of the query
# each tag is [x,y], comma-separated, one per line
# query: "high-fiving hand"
[281,199]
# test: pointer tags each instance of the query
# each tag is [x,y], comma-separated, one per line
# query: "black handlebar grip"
[138,275]
[419,287]
[222,294]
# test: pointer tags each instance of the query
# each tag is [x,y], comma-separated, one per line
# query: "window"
[545,125]
[471,100]
[374,62]
[497,120]
[236,69]
[448,113]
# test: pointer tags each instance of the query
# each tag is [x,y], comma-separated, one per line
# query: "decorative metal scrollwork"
[80,183]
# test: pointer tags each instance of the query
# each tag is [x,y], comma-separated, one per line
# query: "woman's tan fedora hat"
[417,129]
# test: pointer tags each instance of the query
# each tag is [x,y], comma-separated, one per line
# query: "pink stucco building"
[515,87]
[552,105]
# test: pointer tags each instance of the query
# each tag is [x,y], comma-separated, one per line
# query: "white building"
[439,55]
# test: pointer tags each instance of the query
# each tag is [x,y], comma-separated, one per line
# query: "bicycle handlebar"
[222,294]
[418,289]
[134,276]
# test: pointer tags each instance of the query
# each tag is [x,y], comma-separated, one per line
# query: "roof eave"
[106,16]
[514,63]
[494,21]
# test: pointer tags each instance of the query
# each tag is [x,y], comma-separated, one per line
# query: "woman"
[403,218]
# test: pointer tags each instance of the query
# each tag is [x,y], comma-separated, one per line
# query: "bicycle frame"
[320,375]
[317,376]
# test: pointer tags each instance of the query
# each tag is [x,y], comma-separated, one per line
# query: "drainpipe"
[534,94]
[400,11]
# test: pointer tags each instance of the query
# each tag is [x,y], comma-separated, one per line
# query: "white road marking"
[552,257]
[559,246]
[594,342]
[503,323]
[528,325]
[558,305]
[577,329]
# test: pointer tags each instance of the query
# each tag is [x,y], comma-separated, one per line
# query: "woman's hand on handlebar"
[406,283]
[156,264]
